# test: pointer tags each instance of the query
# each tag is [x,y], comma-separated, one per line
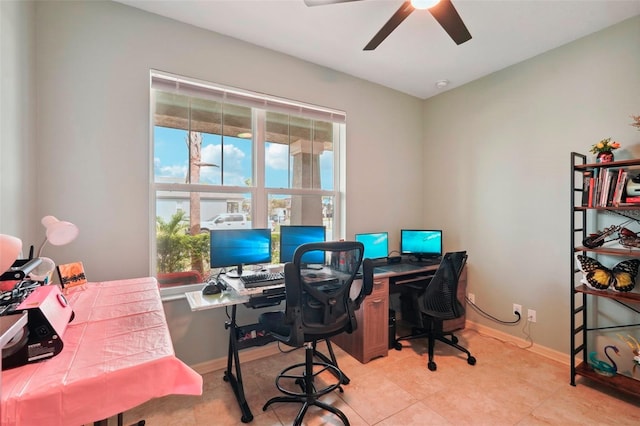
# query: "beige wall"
[500,147]
[18,153]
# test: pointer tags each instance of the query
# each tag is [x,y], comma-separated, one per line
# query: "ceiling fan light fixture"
[424,4]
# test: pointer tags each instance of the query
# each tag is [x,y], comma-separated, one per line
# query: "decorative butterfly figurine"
[622,277]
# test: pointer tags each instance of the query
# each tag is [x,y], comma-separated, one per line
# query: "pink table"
[117,354]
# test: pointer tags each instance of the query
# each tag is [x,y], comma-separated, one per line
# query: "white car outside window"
[226,220]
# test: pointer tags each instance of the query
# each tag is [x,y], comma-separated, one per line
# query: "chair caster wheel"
[471,360]
[397,346]
[454,339]
[432,366]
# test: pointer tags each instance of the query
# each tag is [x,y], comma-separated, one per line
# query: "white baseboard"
[272,349]
[246,355]
[522,343]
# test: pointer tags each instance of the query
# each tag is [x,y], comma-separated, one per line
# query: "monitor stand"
[239,272]
[427,260]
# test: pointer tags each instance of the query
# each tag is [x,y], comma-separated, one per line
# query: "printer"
[48,314]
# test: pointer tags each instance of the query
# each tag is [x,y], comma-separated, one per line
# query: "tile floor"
[507,386]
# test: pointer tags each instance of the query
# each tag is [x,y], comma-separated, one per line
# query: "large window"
[229,158]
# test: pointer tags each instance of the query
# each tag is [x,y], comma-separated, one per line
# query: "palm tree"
[194,143]
[172,243]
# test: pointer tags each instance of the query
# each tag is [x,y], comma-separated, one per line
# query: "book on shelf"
[606,184]
[621,186]
[606,188]
[603,183]
[586,187]
[597,182]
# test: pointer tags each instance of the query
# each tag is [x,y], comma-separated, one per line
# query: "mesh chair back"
[440,297]
[319,302]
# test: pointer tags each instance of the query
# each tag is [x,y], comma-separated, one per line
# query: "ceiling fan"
[443,10]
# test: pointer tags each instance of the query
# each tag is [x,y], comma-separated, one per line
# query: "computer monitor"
[421,243]
[293,236]
[238,247]
[376,244]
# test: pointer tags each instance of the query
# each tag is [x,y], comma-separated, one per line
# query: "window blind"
[193,88]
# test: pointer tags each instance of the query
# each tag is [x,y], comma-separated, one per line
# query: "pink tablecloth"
[117,354]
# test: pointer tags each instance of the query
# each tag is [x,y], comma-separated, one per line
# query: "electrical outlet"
[471,297]
[531,315]
[517,308]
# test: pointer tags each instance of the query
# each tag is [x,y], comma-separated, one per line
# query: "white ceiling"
[419,52]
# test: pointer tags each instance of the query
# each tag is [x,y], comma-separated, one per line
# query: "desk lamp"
[58,232]
[10,248]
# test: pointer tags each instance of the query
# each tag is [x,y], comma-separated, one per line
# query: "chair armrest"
[367,282]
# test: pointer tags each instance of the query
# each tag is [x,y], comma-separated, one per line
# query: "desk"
[233,296]
[368,341]
[371,339]
[117,354]
[245,336]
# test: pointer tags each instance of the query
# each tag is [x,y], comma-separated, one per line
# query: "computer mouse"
[211,288]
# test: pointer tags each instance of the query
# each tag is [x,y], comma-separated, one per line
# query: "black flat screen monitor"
[421,243]
[292,236]
[376,244]
[237,247]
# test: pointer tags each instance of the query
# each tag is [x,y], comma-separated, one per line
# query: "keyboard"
[262,279]
[269,297]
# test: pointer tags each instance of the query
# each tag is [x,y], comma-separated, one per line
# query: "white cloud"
[233,170]
[277,156]
[172,171]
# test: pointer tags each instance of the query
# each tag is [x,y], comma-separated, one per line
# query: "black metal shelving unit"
[579,292]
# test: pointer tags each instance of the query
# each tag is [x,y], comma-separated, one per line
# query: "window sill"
[169,294]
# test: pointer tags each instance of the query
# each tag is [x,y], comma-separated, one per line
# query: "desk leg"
[105,422]
[236,381]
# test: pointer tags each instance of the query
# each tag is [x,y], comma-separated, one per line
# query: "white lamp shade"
[59,232]
[10,248]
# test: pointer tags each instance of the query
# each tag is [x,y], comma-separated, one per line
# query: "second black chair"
[439,302]
[319,305]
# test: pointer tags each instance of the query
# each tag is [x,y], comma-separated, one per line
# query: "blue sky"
[171,160]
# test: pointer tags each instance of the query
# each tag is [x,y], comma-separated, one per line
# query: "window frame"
[259,193]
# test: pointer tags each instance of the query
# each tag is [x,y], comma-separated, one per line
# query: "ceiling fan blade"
[448,17]
[400,15]
[323,2]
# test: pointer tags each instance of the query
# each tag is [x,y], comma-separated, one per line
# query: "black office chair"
[319,305]
[438,302]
